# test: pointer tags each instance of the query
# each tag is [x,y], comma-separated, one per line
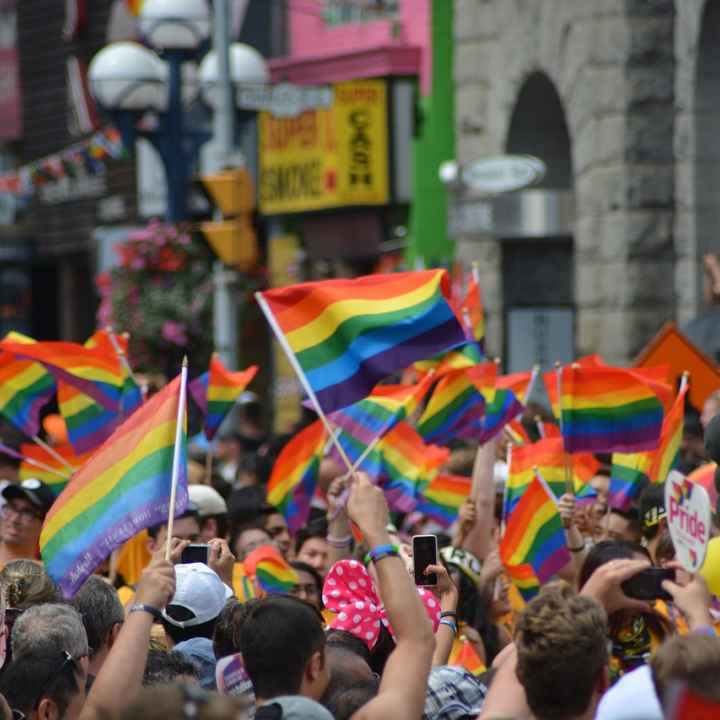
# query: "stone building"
[621,100]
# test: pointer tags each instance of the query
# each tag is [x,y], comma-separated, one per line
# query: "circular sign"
[503,173]
[687,507]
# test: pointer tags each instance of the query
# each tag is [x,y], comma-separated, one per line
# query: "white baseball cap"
[208,500]
[199,591]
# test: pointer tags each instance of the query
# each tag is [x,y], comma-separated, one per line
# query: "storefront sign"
[689,517]
[327,158]
[284,100]
[503,173]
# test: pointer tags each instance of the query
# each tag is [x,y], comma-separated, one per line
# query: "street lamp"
[129,80]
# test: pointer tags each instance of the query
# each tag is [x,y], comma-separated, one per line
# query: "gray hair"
[49,629]
[100,608]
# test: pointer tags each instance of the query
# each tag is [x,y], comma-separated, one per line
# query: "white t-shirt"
[631,698]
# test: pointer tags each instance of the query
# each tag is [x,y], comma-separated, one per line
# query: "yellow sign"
[284,258]
[327,158]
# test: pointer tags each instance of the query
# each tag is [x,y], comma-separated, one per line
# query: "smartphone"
[425,553]
[647,584]
[195,552]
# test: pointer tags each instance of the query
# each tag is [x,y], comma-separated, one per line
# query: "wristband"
[450,624]
[380,552]
[576,549]
[141,607]
[339,542]
[449,614]
[704,630]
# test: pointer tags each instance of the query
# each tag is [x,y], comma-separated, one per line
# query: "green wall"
[429,244]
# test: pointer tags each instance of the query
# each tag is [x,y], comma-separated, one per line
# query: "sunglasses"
[67,661]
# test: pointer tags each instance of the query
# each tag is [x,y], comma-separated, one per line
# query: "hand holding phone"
[196,552]
[647,584]
[425,553]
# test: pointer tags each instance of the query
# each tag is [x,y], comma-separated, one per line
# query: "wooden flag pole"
[53,453]
[303,379]
[179,430]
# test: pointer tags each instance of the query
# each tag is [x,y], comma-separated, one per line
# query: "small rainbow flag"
[30,451]
[270,569]
[524,579]
[25,387]
[123,488]
[88,424]
[705,476]
[465,356]
[607,409]
[549,457]
[463,653]
[455,407]
[217,390]
[443,496]
[472,304]
[294,475]
[534,534]
[517,382]
[629,474]
[586,495]
[668,453]
[501,405]
[347,335]
[97,371]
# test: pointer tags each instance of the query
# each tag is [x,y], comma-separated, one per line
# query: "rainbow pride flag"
[629,474]
[524,579]
[32,452]
[517,382]
[501,405]
[97,371]
[123,488]
[549,457]
[88,424]
[586,495]
[668,453]
[607,409]
[443,496]
[25,387]
[217,390]
[294,475]
[347,335]
[454,409]
[378,413]
[463,653]
[462,357]
[270,569]
[473,306]
[534,534]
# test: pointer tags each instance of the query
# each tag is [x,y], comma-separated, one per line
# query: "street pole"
[224,304]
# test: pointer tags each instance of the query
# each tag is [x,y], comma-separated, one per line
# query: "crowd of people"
[354,636]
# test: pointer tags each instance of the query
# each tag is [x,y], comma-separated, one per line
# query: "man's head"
[652,512]
[693,660]
[352,682]
[200,596]
[309,587]
[620,525]
[248,536]
[276,527]
[185,527]
[283,646]
[164,668]
[212,511]
[46,686]
[25,508]
[561,653]
[50,630]
[102,614]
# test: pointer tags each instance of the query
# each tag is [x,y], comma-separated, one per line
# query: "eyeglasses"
[68,660]
[24,514]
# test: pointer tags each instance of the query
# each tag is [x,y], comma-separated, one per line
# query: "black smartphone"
[425,553]
[195,552]
[647,584]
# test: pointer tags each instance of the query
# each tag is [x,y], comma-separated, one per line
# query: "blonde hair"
[26,583]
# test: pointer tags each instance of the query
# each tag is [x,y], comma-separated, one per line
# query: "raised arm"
[404,680]
[479,539]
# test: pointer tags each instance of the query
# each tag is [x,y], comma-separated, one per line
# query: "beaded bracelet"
[380,552]
[339,542]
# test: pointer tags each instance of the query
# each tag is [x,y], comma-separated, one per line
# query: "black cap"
[34,491]
[652,505]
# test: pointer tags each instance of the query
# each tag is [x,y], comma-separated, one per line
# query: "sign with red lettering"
[688,514]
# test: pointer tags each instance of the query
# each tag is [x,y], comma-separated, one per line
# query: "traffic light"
[233,238]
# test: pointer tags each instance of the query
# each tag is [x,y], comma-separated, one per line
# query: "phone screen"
[647,584]
[424,554]
[194,553]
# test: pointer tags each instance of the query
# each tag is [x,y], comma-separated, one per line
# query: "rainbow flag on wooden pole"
[133,481]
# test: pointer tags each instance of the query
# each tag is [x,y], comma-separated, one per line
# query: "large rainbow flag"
[217,390]
[88,423]
[123,488]
[25,387]
[534,534]
[347,335]
[608,409]
[295,473]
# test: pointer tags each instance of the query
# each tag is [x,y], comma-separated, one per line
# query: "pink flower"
[174,332]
